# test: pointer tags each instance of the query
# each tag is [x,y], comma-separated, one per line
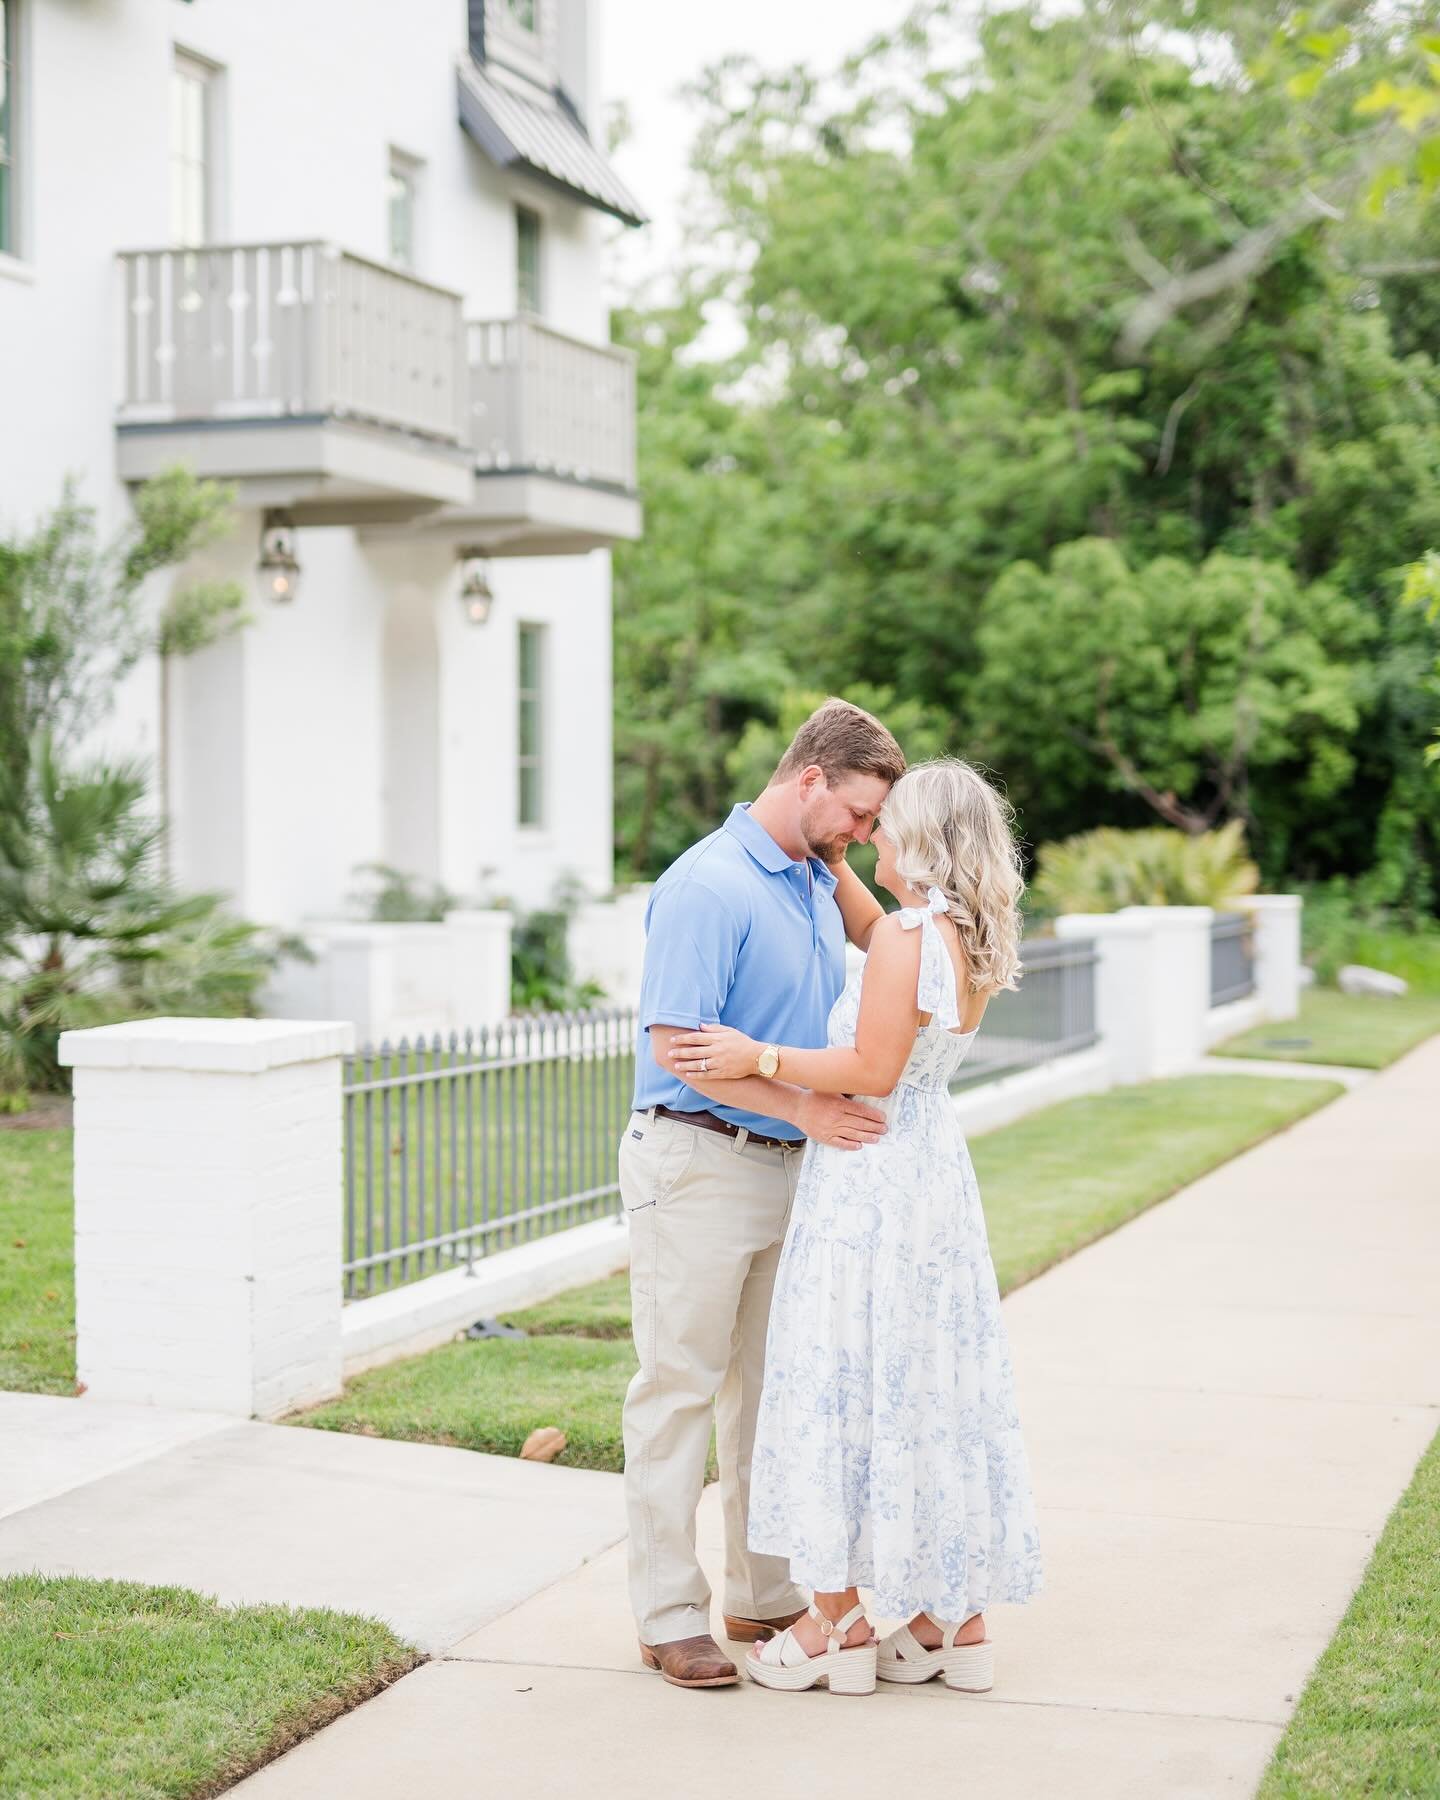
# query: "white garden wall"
[208,1177]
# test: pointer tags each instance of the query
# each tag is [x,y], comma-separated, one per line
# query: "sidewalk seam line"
[1097,1706]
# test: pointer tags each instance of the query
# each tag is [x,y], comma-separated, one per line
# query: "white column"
[360,963]
[479,942]
[1122,981]
[208,1211]
[1152,984]
[607,943]
[1276,919]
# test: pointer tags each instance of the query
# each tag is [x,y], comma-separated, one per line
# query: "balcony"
[350,393]
[552,423]
[310,378]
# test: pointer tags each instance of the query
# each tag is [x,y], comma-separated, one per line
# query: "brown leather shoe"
[692,1662]
[755,1631]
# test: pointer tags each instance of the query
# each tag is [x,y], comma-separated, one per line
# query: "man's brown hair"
[843,740]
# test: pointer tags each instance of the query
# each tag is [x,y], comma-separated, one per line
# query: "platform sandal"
[783,1663]
[968,1668]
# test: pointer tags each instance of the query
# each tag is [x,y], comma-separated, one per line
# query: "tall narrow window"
[531,809]
[523,13]
[400,185]
[528,291]
[190,151]
[7,127]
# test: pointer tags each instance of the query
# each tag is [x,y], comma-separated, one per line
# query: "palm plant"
[1101,871]
[91,929]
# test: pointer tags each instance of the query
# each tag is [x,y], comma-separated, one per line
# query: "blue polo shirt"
[737,932]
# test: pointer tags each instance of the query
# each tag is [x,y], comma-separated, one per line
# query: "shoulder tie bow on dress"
[913,916]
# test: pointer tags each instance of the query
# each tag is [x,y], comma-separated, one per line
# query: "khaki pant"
[707,1216]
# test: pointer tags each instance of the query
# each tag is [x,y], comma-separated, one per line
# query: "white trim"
[417,1317]
[1231,1019]
[1010,1097]
[15,268]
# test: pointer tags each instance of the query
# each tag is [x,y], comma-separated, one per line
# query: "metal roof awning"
[540,137]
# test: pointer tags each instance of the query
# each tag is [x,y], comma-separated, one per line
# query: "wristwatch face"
[769,1060]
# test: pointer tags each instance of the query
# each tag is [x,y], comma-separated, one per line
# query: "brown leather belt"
[707,1121]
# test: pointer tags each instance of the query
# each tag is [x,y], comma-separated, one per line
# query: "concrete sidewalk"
[434,1541]
[1222,1401]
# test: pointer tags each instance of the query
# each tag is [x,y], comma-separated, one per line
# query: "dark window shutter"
[477,30]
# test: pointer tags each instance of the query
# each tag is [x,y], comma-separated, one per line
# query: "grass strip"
[491,1393]
[1051,1183]
[157,1693]
[37,1263]
[1358,1031]
[1368,1721]
[599,1310]
[1056,1181]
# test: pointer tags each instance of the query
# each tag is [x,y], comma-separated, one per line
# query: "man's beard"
[829,850]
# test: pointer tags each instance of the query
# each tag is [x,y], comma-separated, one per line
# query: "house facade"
[346,257]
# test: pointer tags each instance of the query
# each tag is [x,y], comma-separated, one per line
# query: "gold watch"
[768,1061]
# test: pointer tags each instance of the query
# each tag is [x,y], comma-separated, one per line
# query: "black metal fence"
[462,1144]
[1232,965]
[1050,1014]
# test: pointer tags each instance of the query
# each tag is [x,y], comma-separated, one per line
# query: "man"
[743,929]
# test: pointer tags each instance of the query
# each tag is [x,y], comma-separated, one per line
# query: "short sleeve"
[692,943]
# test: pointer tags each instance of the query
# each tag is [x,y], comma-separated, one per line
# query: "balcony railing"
[545,403]
[262,331]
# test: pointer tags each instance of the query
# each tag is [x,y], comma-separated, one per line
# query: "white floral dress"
[888,1452]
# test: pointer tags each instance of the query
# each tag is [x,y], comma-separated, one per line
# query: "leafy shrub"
[542,978]
[92,930]
[1341,924]
[1102,871]
[398,898]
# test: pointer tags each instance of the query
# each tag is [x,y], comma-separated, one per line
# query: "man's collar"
[758,841]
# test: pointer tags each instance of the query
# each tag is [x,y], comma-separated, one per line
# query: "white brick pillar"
[479,950]
[1276,919]
[208,1211]
[1180,983]
[1152,984]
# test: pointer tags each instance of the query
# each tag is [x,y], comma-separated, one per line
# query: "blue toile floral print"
[888,1452]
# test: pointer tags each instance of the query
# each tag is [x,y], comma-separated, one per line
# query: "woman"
[888,1452]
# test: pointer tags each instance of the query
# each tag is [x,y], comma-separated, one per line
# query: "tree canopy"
[1087,402]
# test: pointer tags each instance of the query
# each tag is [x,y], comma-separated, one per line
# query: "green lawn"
[601,1310]
[37,1276]
[1358,1030]
[1051,1183]
[1368,1721]
[113,1689]
[1058,1180]
[491,1393]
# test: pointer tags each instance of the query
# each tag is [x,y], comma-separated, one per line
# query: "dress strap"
[935,990]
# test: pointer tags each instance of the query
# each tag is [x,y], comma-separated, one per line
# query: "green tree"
[74,618]
[938,258]
[694,655]
[91,929]
[1177,683]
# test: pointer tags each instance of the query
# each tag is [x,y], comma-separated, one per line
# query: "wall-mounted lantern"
[279,565]
[477,597]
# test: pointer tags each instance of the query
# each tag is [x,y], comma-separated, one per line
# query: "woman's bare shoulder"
[893,949]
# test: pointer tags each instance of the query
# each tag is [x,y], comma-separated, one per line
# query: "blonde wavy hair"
[952,830]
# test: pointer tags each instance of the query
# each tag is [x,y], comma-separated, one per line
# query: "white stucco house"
[347,257]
